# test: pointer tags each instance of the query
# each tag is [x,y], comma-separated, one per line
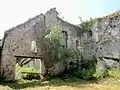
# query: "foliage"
[55,35]
[87,25]
[26,72]
[114,73]
[85,74]
[69,54]
[25,69]
[87,70]
[99,75]
[57,50]
[29,73]
[60,53]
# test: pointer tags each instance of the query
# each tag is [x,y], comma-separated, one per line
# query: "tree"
[57,50]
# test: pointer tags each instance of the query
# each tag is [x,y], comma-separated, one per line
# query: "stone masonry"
[19,40]
[104,43]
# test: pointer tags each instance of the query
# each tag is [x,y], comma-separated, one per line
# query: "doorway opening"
[28,67]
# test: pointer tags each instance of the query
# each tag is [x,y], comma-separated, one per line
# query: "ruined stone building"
[26,41]
[104,42]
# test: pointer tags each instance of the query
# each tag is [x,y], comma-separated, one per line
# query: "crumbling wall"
[87,46]
[72,32]
[104,43]
[107,31]
[19,41]
[105,37]
[52,19]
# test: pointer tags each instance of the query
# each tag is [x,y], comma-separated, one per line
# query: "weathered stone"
[104,42]
[27,40]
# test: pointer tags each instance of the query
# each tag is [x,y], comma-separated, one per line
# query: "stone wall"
[105,37]
[18,43]
[52,19]
[107,31]
[104,43]
[19,40]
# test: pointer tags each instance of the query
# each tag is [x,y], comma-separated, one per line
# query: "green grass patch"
[25,69]
[26,72]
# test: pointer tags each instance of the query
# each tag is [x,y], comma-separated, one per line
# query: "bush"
[86,74]
[57,49]
[114,73]
[98,75]
[86,71]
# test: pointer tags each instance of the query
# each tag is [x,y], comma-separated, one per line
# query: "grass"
[114,73]
[63,84]
[26,69]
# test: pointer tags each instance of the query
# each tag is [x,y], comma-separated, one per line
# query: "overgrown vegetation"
[26,72]
[114,73]
[87,70]
[87,67]
[58,51]
[87,25]
[60,84]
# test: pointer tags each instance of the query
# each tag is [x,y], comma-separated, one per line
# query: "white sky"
[14,12]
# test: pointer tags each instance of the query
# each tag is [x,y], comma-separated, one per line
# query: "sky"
[14,12]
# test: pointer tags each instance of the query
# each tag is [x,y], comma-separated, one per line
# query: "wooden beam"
[34,57]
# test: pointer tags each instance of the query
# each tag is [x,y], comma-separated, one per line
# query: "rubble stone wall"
[19,39]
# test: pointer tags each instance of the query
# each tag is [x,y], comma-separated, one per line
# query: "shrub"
[114,73]
[98,75]
[86,71]
[101,71]
[57,51]
[88,24]
[85,74]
